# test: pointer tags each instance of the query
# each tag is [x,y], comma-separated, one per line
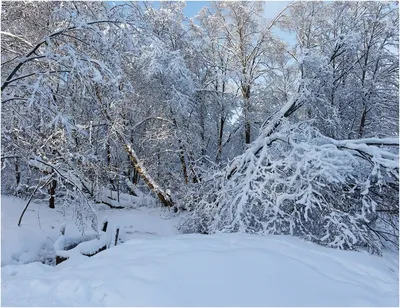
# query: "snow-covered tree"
[352,49]
[101,98]
[66,90]
[297,181]
[249,44]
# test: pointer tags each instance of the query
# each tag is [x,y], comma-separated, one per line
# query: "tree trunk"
[196,178]
[118,192]
[108,150]
[246,110]
[134,176]
[183,162]
[181,155]
[135,179]
[164,198]
[52,192]
[202,115]
[108,153]
[362,123]
[17,171]
[221,133]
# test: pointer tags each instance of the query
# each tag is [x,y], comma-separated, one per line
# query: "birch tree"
[250,43]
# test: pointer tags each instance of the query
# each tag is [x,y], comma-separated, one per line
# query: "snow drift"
[201,270]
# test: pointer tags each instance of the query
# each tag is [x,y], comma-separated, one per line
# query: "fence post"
[116,237]
[105,224]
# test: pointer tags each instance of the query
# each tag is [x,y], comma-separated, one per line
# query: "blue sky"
[192,7]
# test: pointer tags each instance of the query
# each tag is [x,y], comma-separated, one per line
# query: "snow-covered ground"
[40,228]
[157,267]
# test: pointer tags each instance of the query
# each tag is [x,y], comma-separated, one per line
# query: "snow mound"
[212,270]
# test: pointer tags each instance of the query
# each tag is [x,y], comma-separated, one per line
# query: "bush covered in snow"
[299,182]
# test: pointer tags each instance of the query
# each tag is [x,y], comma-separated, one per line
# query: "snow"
[33,240]
[157,267]
[40,228]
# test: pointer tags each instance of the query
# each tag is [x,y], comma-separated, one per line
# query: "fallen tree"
[338,193]
[164,198]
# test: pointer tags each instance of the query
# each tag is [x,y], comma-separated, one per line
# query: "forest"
[215,117]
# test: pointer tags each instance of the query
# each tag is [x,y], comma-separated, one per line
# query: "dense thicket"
[215,114]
